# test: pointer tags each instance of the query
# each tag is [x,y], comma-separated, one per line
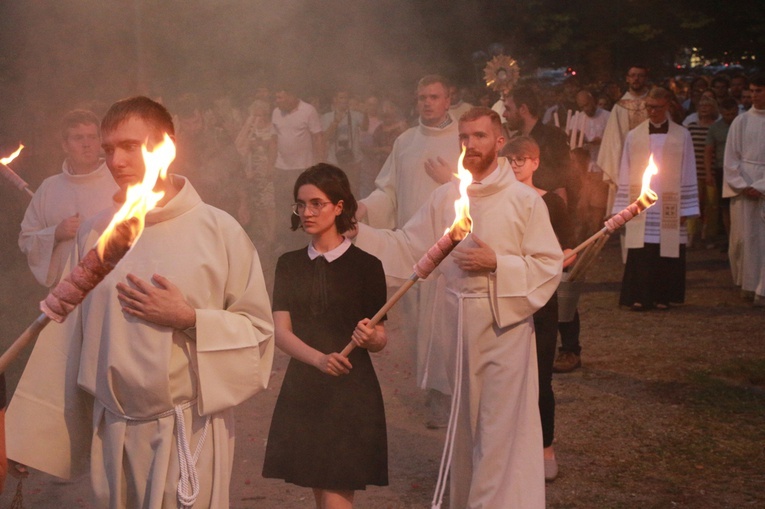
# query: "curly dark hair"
[333,182]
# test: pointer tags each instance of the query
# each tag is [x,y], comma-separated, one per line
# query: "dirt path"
[668,410]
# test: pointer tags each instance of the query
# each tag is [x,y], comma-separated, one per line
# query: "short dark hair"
[148,110]
[758,80]
[333,182]
[638,66]
[75,118]
[430,79]
[479,112]
[721,78]
[526,95]
[728,104]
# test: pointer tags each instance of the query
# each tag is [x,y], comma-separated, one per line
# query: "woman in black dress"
[328,430]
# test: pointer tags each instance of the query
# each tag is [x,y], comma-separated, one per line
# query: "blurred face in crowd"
[341,101]
[737,85]
[657,109]
[263,94]
[729,115]
[746,98]
[637,79]
[707,108]
[586,103]
[372,106]
[482,141]
[433,103]
[721,89]
[285,101]
[82,147]
[758,96]
[512,115]
[191,124]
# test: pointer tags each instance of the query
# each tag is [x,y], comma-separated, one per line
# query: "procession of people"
[138,387]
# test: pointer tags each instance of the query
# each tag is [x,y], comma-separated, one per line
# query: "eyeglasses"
[652,107]
[518,161]
[313,206]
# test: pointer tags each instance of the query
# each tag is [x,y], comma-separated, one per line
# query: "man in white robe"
[507,268]
[654,274]
[63,201]
[423,158]
[744,174]
[626,115]
[160,351]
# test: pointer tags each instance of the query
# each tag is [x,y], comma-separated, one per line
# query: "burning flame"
[646,191]
[141,198]
[6,160]
[463,223]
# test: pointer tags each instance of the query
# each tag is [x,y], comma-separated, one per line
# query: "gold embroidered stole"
[669,173]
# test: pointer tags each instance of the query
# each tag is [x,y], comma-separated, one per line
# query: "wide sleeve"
[49,422]
[399,250]
[689,188]
[610,154]
[382,202]
[234,345]
[623,183]
[734,177]
[527,275]
[45,257]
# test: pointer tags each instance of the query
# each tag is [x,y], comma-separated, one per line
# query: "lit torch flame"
[647,196]
[462,221]
[141,198]
[7,160]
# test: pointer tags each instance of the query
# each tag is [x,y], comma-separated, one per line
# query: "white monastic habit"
[487,320]
[143,382]
[626,115]
[59,197]
[745,167]
[675,184]
[402,186]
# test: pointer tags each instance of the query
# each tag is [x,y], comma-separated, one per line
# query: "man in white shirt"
[297,143]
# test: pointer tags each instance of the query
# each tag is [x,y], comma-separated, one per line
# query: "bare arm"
[331,364]
[319,147]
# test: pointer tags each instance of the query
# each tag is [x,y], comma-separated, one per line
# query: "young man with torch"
[160,351]
[508,268]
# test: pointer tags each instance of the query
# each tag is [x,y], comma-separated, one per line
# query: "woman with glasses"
[328,430]
[523,154]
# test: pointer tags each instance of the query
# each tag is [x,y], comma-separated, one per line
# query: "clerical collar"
[658,129]
[488,179]
[332,254]
[445,123]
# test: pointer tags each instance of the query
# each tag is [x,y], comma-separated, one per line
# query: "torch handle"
[27,337]
[587,242]
[386,307]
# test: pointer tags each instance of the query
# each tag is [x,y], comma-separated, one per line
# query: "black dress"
[329,432]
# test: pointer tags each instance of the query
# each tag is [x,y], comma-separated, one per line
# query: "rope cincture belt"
[188,484]
[451,430]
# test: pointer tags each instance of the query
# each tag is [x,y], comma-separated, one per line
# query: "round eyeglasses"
[518,161]
[313,206]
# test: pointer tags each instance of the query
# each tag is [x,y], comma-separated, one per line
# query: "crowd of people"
[157,357]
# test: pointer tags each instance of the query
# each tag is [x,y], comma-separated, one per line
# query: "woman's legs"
[328,499]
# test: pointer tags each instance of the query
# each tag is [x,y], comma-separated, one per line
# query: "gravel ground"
[668,410]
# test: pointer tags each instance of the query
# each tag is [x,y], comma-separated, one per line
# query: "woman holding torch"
[328,430]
